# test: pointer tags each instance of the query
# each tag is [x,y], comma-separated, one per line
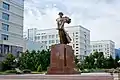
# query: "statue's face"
[60,15]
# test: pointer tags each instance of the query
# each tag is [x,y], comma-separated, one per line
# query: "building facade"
[80,39]
[105,46]
[11,26]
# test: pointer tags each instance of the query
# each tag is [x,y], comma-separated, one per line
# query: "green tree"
[76,60]
[116,61]
[8,63]
[32,60]
[97,60]
[110,62]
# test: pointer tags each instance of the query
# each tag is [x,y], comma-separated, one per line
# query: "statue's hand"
[57,28]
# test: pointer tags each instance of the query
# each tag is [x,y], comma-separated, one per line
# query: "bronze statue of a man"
[64,37]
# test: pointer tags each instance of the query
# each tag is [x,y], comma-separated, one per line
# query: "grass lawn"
[38,72]
[4,73]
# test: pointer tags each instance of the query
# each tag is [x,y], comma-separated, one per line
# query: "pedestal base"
[62,60]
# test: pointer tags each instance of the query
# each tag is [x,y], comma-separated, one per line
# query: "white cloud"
[102,17]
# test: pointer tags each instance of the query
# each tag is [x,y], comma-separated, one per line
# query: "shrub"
[26,71]
[11,71]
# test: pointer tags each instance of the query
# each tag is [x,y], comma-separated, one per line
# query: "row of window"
[99,50]
[5,16]
[50,41]
[101,45]
[45,37]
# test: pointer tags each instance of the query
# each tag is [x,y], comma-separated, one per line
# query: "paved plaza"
[83,76]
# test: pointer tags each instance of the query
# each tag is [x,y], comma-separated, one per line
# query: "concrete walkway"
[83,76]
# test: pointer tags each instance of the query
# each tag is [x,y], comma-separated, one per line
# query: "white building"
[30,34]
[105,46]
[11,26]
[80,38]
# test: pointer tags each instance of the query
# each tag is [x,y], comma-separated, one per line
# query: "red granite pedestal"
[62,60]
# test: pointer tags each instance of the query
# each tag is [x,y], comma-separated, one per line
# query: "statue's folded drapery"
[64,37]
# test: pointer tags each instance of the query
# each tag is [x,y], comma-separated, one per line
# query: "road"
[83,76]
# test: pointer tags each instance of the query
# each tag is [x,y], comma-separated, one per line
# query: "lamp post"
[95,62]
[15,61]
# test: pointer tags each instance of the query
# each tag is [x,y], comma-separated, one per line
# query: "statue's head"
[60,14]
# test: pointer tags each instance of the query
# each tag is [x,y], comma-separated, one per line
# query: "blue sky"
[101,17]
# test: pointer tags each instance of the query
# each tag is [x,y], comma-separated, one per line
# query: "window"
[85,41]
[49,41]
[76,44]
[5,16]
[53,41]
[73,45]
[42,33]
[76,35]
[44,37]
[6,6]
[45,42]
[76,50]
[4,37]
[50,36]
[49,47]
[57,41]
[85,52]
[5,27]
[76,41]
[85,46]
[73,39]
[76,32]
[85,35]
[53,36]
[99,49]
[56,35]
[76,47]
[76,53]
[73,34]
[76,38]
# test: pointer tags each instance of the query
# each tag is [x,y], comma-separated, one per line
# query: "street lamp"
[15,61]
[95,62]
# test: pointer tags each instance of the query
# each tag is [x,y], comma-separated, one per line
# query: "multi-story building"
[105,46]
[11,26]
[80,39]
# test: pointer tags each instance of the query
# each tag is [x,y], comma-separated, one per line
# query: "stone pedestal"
[62,60]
